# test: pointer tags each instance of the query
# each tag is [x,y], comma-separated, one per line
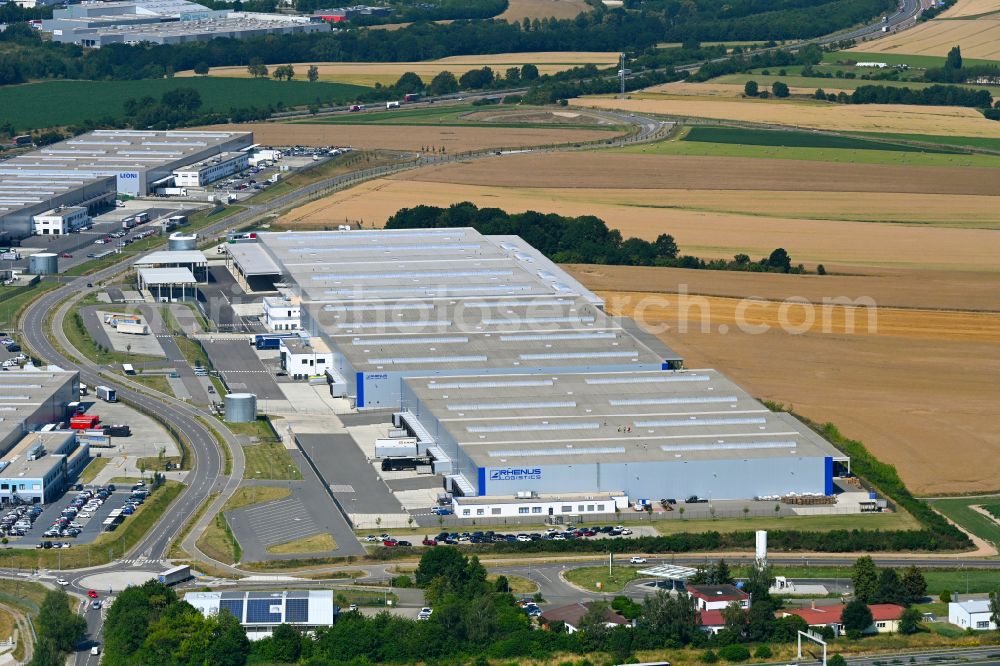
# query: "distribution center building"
[649,435]
[518,385]
[393,304]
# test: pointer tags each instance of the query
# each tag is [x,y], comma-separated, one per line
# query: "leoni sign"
[129,175]
[516,474]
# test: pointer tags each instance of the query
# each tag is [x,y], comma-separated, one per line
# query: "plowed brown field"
[518,10]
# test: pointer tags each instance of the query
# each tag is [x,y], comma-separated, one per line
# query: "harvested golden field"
[916,387]
[518,10]
[649,213]
[387,73]
[893,287]
[618,170]
[971,8]
[979,38]
[716,89]
[898,118]
[413,137]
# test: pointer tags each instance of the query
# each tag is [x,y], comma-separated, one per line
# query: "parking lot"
[85,526]
[242,369]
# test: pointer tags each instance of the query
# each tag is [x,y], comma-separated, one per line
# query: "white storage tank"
[241,408]
[43,263]
[178,242]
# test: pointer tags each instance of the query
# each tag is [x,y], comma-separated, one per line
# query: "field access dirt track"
[919,390]
[412,137]
[706,173]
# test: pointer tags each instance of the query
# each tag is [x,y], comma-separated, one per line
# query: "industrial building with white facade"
[35,466]
[89,170]
[518,385]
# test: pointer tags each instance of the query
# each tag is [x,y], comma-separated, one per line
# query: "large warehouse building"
[517,383]
[90,169]
[446,302]
[646,434]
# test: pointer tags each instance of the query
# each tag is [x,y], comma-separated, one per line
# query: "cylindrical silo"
[43,263]
[178,242]
[241,408]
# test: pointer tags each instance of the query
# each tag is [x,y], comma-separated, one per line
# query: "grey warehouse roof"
[169,276]
[604,417]
[448,298]
[252,259]
[105,152]
[415,263]
[22,393]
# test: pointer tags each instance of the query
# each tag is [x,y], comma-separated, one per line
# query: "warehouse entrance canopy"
[167,284]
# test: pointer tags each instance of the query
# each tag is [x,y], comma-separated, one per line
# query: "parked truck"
[398,447]
[106,393]
[84,422]
[272,341]
[134,329]
[142,218]
[177,574]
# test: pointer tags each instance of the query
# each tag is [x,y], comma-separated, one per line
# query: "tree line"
[633,30]
[582,240]
[477,619]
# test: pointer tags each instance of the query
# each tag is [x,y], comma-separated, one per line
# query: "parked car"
[429,542]
[401,542]
[425,613]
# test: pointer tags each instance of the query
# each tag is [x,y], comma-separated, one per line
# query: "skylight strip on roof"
[492,289]
[531,453]
[653,379]
[518,304]
[727,446]
[427,359]
[514,383]
[579,355]
[392,324]
[377,307]
[409,341]
[389,248]
[542,337]
[405,275]
[20,386]
[475,407]
[539,320]
[694,421]
[532,427]
[709,399]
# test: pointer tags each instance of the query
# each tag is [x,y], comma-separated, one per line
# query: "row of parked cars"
[83,507]
[18,520]
[489,536]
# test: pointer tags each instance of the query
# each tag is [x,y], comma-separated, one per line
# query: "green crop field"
[790,139]
[968,141]
[840,155]
[442,116]
[812,82]
[960,510]
[916,61]
[58,103]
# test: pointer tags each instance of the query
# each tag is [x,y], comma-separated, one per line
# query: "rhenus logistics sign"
[516,474]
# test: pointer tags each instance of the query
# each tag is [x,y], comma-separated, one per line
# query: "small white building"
[717,597]
[974,614]
[261,612]
[303,358]
[265,155]
[211,170]
[60,221]
[282,313]
[539,508]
